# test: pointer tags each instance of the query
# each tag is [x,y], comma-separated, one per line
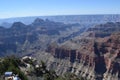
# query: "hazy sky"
[18,8]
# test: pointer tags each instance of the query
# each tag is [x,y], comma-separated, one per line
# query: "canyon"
[94,57]
[89,48]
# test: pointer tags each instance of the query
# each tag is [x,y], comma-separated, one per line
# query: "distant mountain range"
[21,38]
[82,19]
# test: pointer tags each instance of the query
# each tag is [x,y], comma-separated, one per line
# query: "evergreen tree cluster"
[11,64]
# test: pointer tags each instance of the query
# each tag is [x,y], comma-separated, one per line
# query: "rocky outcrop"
[99,56]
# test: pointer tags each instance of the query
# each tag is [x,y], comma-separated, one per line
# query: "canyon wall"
[95,60]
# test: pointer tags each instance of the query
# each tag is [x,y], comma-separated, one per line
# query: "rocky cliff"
[94,60]
[94,57]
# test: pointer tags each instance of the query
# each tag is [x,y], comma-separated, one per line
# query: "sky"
[23,8]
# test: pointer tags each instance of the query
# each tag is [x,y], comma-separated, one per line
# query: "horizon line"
[58,15]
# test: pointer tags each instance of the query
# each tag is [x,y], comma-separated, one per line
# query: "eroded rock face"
[95,59]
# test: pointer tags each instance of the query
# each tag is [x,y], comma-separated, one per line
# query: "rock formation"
[94,57]
[27,39]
